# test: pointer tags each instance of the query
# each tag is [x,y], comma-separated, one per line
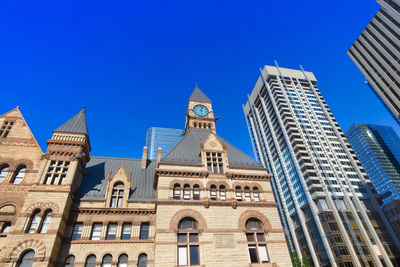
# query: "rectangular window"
[253,254]
[214,162]
[96,231]
[182,256]
[77,232]
[144,230]
[112,231]
[56,172]
[262,253]
[6,228]
[126,231]
[5,128]
[194,255]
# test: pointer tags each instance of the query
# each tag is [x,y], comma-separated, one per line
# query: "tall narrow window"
[69,261]
[177,191]
[77,232]
[186,192]
[238,193]
[123,260]
[26,259]
[126,231]
[3,172]
[214,162]
[107,260]
[111,231]
[96,231]
[46,221]
[256,194]
[196,192]
[247,194]
[56,172]
[144,230]
[34,223]
[142,260]
[188,242]
[90,261]
[257,245]
[6,228]
[19,175]
[222,193]
[213,192]
[5,128]
[117,195]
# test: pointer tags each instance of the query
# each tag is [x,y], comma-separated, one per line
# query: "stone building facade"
[205,203]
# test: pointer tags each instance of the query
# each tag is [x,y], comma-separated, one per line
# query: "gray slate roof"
[93,186]
[187,151]
[77,124]
[198,95]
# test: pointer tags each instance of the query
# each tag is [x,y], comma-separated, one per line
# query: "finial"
[195,85]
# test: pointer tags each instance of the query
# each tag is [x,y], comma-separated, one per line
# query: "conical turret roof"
[198,95]
[77,124]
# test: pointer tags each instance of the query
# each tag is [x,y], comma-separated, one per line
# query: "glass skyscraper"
[325,201]
[166,138]
[378,148]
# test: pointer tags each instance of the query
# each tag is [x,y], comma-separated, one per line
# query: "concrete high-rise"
[326,204]
[378,147]
[376,52]
[166,138]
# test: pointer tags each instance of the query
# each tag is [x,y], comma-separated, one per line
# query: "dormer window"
[5,128]
[117,195]
[214,162]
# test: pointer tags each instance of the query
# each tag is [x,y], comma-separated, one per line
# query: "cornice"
[242,176]
[208,203]
[112,211]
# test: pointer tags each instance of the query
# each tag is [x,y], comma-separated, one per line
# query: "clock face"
[200,110]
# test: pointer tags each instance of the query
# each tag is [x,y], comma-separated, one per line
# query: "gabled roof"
[77,124]
[187,151]
[94,184]
[198,95]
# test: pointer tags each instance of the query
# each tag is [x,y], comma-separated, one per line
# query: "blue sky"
[133,64]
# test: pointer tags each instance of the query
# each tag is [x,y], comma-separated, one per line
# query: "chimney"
[159,152]
[144,158]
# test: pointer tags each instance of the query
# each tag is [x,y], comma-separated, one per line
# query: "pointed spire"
[198,95]
[77,124]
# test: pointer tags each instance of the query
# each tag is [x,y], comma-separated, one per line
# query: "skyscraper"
[377,147]
[327,208]
[376,52]
[166,138]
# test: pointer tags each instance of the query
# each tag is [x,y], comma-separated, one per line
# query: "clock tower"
[199,113]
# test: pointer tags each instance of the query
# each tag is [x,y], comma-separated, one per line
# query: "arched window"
[177,191]
[107,260]
[142,260]
[186,192]
[123,260]
[257,245]
[238,193]
[213,192]
[26,259]
[69,261]
[188,242]
[19,175]
[196,192]
[256,194]
[34,222]
[222,193]
[3,172]
[46,221]
[117,195]
[247,194]
[90,261]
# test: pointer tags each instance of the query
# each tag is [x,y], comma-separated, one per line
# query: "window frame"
[93,231]
[112,235]
[19,174]
[256,239]
[34,220]
[188,238]
[79,231]
[117,195]
[144,233]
